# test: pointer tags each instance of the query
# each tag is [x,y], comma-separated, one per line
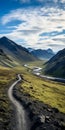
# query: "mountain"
[56,65]
[16,52]
[43,54]
[50,51]
[30,49]
[2,53]
[5,60]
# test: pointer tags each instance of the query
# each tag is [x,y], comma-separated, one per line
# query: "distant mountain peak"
[3,37]
[30,49]
[4,41]
[43,54]
[49,50]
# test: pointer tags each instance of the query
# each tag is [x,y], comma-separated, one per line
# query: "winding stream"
[37,71]
[21,113]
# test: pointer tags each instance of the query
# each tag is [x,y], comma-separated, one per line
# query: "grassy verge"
[36,63]
[6,77]
[49,92]
[42,97]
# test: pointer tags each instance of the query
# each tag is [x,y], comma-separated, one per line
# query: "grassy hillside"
[6,60]
[43,90]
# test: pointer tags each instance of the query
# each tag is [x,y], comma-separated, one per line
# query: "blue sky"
[34,23]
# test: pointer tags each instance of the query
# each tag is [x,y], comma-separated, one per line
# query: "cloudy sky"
[34,23]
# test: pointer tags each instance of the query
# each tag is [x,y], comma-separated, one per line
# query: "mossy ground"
[48,92]
[6,77]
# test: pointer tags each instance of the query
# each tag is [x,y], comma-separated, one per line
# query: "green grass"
[6,77]
[38,63]
[49,92]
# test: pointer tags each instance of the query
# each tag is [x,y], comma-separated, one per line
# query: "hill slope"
[14,51]
[5,60]
[43,54]
[56,65]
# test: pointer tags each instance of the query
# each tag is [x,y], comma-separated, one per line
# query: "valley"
[32,64]
[39,97]
[29,97]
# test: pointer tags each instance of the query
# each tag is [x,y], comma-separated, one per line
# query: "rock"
[35,126]
[62,127]
[50,110]
[44,107]
[41,128]
[61,119]
[55,110]
[42,118]
[39,121]
[56,123]
[28,105]
[47,119]
[31,115]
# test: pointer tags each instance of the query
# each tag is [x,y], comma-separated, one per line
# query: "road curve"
[20,112]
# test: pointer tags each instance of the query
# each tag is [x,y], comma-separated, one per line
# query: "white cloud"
[13,15]
[33,23]
[62,1]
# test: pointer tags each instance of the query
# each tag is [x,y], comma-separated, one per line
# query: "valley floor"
[44,100]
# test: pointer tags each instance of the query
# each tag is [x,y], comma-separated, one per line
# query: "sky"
[34,23]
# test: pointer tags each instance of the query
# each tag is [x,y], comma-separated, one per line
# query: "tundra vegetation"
[48,92]
[6,78]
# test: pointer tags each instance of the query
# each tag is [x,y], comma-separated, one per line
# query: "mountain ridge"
[43,54]
[14,51]
[56,65]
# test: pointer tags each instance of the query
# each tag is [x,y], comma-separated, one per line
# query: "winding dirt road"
[20,112]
